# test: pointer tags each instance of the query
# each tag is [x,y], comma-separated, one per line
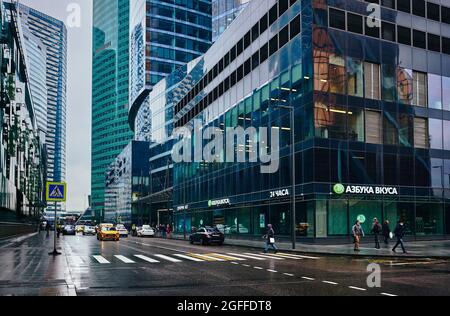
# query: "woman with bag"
[270,239]
[358,233]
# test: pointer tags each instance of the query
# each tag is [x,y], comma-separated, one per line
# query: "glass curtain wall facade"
[22,158]
[223,13]
[370,121]
[53,35]
[110,71]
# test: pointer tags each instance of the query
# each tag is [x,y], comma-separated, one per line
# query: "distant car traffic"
[207,236]
[79,228]
[108,232]
[89,230]
[123,232]
[146,231]
[69,230]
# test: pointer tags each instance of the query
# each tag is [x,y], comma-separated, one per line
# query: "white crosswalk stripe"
[246,256]
[284,256]
[189,258]
[101,260]
[124,259]
[297,256]
[164,257]
[264,256]
[208,258]
[145,258]
[77,260]
[227,257]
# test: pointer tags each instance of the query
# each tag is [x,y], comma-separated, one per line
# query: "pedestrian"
[376,231]
[270,239]
[47,228]
[169,231]
[133,230]
[399,233]
[358,233]
[386,232]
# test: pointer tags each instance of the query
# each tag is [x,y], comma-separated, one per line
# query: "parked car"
[207,236]
[123,231]
[108,233]
[146,231]
[89,230]
[69,230]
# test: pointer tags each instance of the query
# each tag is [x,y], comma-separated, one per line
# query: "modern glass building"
[53,36]
[110,71]
[361,106]
[164,36]
[223,13]
[22,157]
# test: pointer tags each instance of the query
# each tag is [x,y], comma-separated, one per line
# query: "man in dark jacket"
[270,239]
[386,232]
[376,231]
[399,234]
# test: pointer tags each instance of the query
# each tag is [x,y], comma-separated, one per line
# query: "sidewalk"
[436,249]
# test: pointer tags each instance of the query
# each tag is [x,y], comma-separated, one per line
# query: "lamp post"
[293,206]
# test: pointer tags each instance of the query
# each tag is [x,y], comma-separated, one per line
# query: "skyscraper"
[110,129]
[223,13]
[52,34]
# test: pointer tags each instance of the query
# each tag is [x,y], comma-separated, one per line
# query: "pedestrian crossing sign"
[56,192]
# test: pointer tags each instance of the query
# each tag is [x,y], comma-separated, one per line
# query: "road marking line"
[246,265]
[258,268]
[263,256]
[387,294]
[124,259]
[234,263]
[164,257]
[145,258]
[218,255]
[309,279]
[411,263]
[288,274]
[245,256]
[285,256]
[329,282]
[356,288]
[189,258]
[101,260]
[206,257]
[298,256]
[77,260]
[272,271]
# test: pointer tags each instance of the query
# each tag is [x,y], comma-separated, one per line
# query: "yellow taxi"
[108,232]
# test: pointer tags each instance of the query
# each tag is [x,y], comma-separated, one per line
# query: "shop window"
[305,219]
[244,222]
[337,19]
[260,220]
[404,35]
[280,218]
[337,74]
[373,127]
[429,219]
[434,91]
[355,23]
[337,218]
[355,77]
[433,11]
[405,85]
[420,88]
[372,80]
[367,210]
[420,132]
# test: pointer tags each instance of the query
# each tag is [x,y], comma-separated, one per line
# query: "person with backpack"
[358,234]
[376,231]
[270,239]
[399,233]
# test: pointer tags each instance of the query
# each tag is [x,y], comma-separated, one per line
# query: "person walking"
[386,231]
[399,233]
[270,239]
[169,231]
[47,228]
[376,231]
[358,233]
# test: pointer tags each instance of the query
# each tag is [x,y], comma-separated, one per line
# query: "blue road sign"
[56,192]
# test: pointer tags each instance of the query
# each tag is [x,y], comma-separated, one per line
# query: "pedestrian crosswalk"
[183,257]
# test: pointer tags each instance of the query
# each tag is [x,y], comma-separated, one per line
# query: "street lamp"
[293,207]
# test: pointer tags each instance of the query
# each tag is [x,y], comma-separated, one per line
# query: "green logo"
[210,203]
[339,189]
[361,219]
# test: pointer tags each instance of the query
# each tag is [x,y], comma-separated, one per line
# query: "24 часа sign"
[369,190]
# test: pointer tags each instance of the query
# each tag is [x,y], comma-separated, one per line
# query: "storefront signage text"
[219,202]
[356,189]
[183,208]
[279,193]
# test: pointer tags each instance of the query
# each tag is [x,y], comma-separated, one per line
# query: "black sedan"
[69,230]
[207,236]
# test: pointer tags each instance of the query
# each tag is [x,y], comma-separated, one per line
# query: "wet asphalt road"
[154,267]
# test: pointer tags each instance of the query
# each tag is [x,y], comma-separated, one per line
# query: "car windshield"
[212,230]
[146,227]
[108,229]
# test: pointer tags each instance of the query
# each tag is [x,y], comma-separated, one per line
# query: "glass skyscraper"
[223,14]
[110,71]
[361,104]
[53,35]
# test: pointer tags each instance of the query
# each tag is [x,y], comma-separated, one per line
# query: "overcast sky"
[79,71]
